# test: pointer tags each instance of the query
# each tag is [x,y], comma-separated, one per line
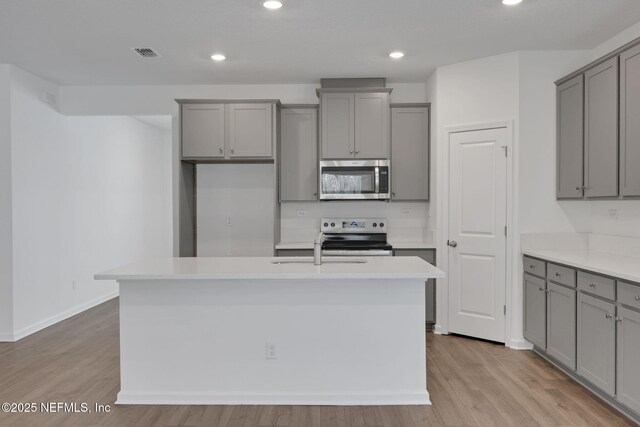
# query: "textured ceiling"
[88,41]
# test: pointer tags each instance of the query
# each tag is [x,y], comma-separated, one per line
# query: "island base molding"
[316,399]
[287,341]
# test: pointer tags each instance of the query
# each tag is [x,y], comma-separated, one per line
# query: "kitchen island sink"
[250,331]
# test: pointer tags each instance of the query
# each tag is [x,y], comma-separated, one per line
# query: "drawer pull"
[608,316]
[557,274]
[592,285]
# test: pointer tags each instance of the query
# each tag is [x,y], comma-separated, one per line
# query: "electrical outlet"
[271,350]
[613,213]
[301,213]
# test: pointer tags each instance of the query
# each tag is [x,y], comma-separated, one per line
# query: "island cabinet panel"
[596,342]
[535,315]
[410,153]
[250,130]
[337,125]
[299,154]
[372,125]
[294,252]
[601,130]
[628,379]
[428,255]
[203,130]
[570,138]
[561,324]
[629,123]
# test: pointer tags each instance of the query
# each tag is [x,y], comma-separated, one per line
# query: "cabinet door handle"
[540,289]
[557,274]
[531,266]
[608,316]
[618,319]
[350,151]
[315,194]
[592,285]
[393,192]
[637,298]
[221,150]
[579,188]
[357,151]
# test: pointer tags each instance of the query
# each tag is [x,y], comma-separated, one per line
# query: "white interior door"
[477,233]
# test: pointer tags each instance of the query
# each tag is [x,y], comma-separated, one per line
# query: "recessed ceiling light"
[218,57]
[272,4]
[396,55]
[511,2]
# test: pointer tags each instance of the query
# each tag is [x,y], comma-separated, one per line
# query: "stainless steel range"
[355,237]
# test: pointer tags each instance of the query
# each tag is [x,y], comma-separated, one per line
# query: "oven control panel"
[353,225]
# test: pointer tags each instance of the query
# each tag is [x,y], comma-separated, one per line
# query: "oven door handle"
[377,180]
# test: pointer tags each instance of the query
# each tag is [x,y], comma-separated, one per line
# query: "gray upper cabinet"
[410,153]
[629,123]
[535,329]
[601,130]
[596,342]
[628,369]
[299,154]
[203,130]
[570,141]
[250,130]
[561,324]
[338,135]
[372,125]
[354,124]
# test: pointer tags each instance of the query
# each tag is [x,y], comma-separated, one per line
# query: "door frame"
[442,293]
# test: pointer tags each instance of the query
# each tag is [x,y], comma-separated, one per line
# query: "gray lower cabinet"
[629,123]
[596,342]
[410,153]
[294,252]
[601,130]
[561,324]
[570,141]
[337,125]
[535,311]
[428,255]
[628,368]
[203,130]
[250,130]
[372,125]
[299,154]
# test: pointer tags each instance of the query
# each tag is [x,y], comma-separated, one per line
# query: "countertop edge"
[274,276]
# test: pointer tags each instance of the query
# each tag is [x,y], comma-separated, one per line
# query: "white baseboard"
[7,338]
[38,326]
[219,398]
[521,344]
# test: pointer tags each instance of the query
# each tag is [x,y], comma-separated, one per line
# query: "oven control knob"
[382,224]
[333,224]
[375,224]
[326,224]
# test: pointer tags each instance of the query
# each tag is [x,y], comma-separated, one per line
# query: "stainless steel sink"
[325,260]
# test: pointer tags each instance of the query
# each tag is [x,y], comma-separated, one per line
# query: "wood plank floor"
[471,382]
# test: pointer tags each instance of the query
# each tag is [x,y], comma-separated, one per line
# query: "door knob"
[452,243]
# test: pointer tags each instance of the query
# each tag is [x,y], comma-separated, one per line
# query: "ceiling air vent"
[145,52]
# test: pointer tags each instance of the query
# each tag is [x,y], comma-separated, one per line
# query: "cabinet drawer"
[534,266]
[597,285]
[629,294]
[562,275]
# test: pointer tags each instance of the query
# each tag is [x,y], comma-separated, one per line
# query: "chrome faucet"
[317,249]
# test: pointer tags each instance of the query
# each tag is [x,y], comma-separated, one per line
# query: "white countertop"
[229,268]
[397,244]
[619,266]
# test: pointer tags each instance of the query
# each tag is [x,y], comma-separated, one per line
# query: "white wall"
[6,232]
[89,193]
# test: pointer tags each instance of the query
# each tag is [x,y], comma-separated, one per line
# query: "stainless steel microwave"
[354,179]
